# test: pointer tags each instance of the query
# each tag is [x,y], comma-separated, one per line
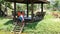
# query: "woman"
[20,16]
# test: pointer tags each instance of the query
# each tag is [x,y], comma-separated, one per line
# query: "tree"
[7,5]
[55,6]
[1,12]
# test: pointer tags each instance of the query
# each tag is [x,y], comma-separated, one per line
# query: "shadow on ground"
[2,18]
[29,27]
[32,25]
[9,22]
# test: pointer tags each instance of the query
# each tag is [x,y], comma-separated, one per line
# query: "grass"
[5,32]
[6,24]
[49,25]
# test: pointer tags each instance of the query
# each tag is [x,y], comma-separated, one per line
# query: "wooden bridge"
[18,28]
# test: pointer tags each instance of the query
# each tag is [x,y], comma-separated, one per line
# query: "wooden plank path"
[18,28]
[21,28]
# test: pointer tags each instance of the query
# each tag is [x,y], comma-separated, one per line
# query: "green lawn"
[5,24]
[49,25]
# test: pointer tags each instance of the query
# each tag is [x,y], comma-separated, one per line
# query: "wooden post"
[41,7]
[27,9]
[14,11]
[42,10]
[32,11]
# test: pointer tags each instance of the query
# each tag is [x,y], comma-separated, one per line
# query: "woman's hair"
[21,12]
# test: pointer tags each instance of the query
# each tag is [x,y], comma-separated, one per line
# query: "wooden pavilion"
[28,2]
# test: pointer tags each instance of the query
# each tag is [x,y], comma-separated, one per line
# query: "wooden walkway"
[18,28]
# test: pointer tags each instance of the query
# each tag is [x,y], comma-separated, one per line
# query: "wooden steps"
[18,28]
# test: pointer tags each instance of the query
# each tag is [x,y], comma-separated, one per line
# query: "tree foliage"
[54,5]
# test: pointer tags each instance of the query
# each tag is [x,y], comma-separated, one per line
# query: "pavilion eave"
[26,1]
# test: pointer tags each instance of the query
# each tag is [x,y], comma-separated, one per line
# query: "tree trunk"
[5,9]
[0,6]
[0,10]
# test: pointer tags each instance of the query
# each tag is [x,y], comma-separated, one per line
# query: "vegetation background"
[49,25]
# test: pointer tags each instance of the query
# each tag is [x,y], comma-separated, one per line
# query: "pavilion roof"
[28,1]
